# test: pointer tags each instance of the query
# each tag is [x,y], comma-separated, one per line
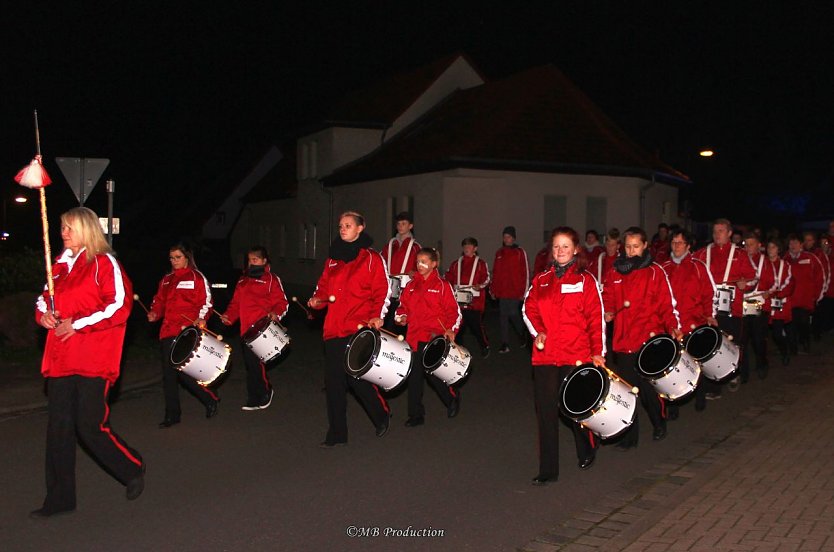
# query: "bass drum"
[445,360]
[667,367]
[378,358]
[715,350]
[602,404]
[200,355]
[266,338]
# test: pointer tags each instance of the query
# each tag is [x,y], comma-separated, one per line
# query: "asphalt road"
[259,481]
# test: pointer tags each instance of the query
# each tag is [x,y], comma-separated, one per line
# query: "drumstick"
[383,330]
[455,345]
[141,304]
[296,301]
[626,304]
[208,331]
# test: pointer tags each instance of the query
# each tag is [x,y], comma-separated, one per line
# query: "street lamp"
[4,232]
[706,153]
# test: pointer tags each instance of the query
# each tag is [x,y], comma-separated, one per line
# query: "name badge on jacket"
[572,288]
[188,284]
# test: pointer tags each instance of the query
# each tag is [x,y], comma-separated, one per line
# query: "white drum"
[602,404]
[776,303]
[397,284]
[752,306]
[667,367]
[464,296]
[723,299]
[266,338]
[378,358]
[445,360]
[200,355]
[714,350]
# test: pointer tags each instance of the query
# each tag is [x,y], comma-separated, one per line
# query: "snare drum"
[397,284]
[598,402]
[714,350]
[723,299]
[266,338]
[200,355]
[776,304]
[464,296]
[664,364]
[378,358]
[445,360]
[752,306]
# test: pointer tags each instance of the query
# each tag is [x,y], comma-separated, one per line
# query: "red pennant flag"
[33,175]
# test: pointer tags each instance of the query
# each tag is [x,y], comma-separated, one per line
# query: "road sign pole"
[111,189]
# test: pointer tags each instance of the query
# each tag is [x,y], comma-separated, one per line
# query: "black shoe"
[625,447]
[43,513]
[454,406]
[136,485]
[332,444]
[168,422]
[587,462]
[211,409]
[414,421]
[504,349]
[700,406]
[672,412]
[542,480]
[260,405]
[659,433]
[382,428]
[485,352]
[786,359]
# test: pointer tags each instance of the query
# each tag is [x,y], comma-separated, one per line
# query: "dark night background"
[183,98]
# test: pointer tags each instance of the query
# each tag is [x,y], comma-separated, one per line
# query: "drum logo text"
[392,357]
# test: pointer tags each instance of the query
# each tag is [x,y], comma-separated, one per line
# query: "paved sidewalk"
[761,483]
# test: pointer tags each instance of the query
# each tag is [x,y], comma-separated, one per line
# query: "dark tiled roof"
[536,120]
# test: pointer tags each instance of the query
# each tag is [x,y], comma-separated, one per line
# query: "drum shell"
[721,360]
[610,409]
[452,364]
[464,297]
[266,338]
[208,358]
[387,363]
[679,374]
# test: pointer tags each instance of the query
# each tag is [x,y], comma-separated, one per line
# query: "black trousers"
[824,315]
[546,382]
[78,410]
[509,312]
[753,338]
[415,386]
[733,326]
[799,330]
[780,336]
[257,382]
[337,382]
[171,376]
[654,407]
[473,321]
[389,323]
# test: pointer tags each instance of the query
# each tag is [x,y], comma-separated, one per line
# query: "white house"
[467,158]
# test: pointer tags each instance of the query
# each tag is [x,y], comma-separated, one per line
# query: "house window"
[596,214]
[555,214]
[302,240]
[312,234]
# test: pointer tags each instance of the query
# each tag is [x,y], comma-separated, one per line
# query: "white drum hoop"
[591,397]
[397,284]
[664,363]
[446,361]
[266,338]
[378,358]
[714,350]
[200,355]
[724,297]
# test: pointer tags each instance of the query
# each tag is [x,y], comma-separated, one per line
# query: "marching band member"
[563,311]
[542,260]
[471,272]
[401,258]
[807,272]
[258,293]
[510,279]
[826,306]
[661,247]
[592,248]
[754,331]
[93,297]
[779,305]
[354,277]
[604,265]
[182,294]
[651,310]
[821,309]
[693,289]
[732,274]
[429,308]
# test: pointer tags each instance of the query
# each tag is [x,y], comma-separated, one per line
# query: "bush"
[23,271]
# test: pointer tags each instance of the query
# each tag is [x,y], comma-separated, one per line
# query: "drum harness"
[471,276]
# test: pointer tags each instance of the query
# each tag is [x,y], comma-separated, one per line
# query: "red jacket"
[661,250]
[395,257]
[807,271]
[651,310]
[254,298]
[765,279]
[543,258]
[430,307]
[693,290]
[604,265]
[569,311]
[783,287]
[361,291]
[591,255]
[481,278]
[510,273]
[715,257]
[829,292]
[97,297]
[184,293]
[826,268]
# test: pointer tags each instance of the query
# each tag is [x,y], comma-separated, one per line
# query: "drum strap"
[472,274]
[407,253]
[600,262]
[778,284]
[729,260]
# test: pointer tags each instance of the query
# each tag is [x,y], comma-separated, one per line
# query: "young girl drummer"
[428,307]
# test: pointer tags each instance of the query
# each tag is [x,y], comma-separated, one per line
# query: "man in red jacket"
[471,273]
[401,259]
[755,320]
[510,279]
[809,244]
[807,272]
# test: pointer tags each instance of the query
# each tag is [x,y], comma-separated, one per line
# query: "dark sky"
[181,96]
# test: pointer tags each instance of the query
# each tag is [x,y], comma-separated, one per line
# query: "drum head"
[256,329]
[434,353]
[184,345]
[657,355]
[361,351]
[702,342]
[583,390]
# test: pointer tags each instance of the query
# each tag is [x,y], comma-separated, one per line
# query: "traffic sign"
[82,174]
